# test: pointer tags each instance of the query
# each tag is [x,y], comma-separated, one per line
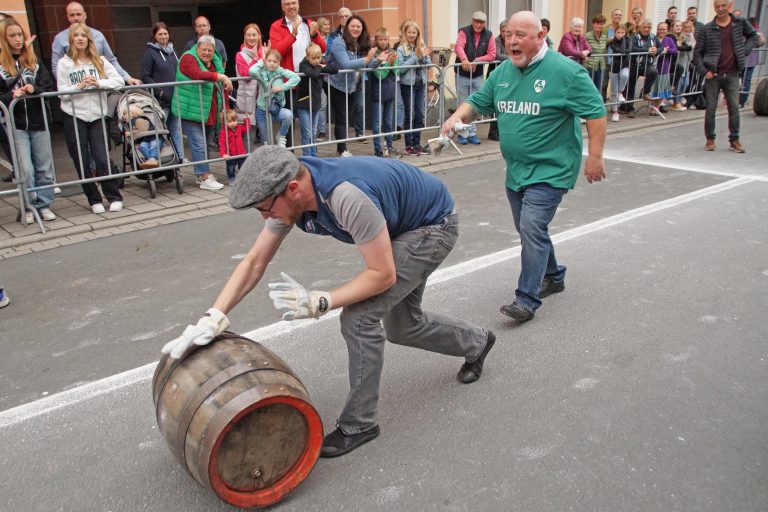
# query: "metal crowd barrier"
[438,97]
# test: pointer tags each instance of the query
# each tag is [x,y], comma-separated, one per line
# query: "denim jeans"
[729,84]
[744,96]
[417,254]
[174,129]
[33,154]
[322,118]
[413,103]
[198,143]
[359,108]
[465,86]
[91,136]
[277,113]
[150,147]
[597,78]
[618,83]
[400,109]
[233,165]
[636,72]
[381,121]
[533,208]
[681,85]
[308,121]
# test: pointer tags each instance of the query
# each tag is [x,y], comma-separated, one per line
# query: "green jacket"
[599,47]
[267,79]
[186,98]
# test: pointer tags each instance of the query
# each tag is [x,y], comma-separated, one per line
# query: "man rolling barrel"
[402,221]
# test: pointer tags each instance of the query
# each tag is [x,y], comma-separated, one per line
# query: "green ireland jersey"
[538,109]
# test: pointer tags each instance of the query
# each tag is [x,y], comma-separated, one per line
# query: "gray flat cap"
[265,173]
[479,16]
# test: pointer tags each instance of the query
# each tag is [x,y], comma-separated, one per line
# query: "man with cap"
[402,221]
[474,44]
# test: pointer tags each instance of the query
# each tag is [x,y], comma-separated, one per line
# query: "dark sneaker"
[320,137]
[470,372]
[517,311]
[422,150]
[398,136]
[412,151]
[736,146]
[338,443]
[631,114]
[548,287]
[472,139]
[378,153]
[710,145]
[461,140]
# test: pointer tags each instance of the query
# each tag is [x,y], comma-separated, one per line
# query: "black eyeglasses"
[271,205]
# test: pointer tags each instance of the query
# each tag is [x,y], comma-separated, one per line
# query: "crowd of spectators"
[307,69]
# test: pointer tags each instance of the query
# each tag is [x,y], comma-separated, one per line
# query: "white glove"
[298,302]
[208,327]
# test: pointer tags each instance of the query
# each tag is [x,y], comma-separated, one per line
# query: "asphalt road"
[641,387]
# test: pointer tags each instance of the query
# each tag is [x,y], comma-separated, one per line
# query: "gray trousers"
[417,254]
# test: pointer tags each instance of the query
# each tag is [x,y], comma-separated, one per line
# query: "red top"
[190,67]
[234,139]
[282,40]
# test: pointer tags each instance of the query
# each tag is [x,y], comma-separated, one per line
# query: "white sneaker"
[98,208]
[115,206]
[281,141]
[345,154]
[56,190]
[615,117]
[210,183]
[4,299]
[47,214]
[29,217]
[622,99]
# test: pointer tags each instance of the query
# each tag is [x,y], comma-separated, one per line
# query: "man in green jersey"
[538,97]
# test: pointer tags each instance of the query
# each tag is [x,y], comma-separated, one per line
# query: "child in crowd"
[619,69]
[311,95]
[383,94]
[683,34]
[662,88]
[231,146]
[271,97]
[147,145]
[412,51]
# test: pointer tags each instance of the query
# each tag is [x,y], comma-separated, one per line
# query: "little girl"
[412,51]
[662,88]
[683,34]
[619,71]
[231,144]
[272,93]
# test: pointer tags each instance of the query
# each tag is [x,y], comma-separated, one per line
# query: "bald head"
[524,38]
[76,13]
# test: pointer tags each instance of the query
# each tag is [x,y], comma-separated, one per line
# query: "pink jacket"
[234,139]
[572,46]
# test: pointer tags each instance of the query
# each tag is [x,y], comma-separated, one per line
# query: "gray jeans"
[417,254]
[729,84]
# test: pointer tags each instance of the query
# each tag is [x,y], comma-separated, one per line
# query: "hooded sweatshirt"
[159,66]
[86,107]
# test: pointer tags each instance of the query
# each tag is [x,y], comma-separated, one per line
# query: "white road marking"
[745,174]
[101,387]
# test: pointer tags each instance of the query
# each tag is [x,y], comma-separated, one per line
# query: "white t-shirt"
[302,41]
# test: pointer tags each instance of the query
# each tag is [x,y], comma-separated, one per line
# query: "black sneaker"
[423,150]
[548,287]
[320,137]
[517,311]
[470,372]
[378,153]
[338,443]
[398,136]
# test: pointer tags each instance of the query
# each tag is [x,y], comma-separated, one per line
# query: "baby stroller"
[151,112]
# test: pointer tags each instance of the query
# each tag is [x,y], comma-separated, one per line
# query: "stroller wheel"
[152,188]
[179,183]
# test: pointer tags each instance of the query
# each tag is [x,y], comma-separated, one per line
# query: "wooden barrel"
[238,419]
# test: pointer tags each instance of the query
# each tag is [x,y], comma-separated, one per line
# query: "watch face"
[323,305]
